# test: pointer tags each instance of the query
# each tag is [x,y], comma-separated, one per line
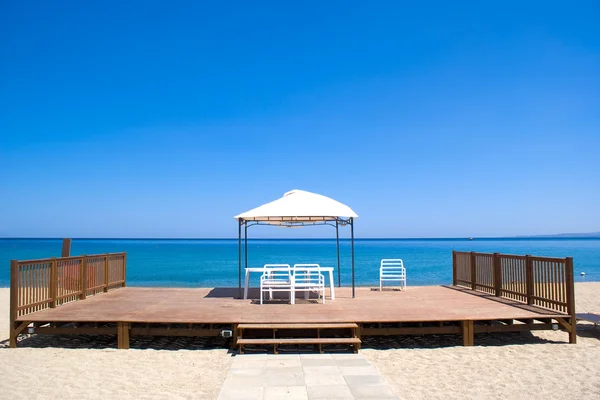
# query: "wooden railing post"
[124,269]
[454,277]
[571,299]
[53,282]
[14,301]
[66,248]
[473,272]
[529,279]
[83,278]
[497,268]
[106,272]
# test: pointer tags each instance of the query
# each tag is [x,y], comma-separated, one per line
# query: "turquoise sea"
[212,263]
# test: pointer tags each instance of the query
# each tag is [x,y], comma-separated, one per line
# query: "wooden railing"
[538,281]
[39,284]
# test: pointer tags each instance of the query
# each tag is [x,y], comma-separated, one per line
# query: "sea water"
[214,263]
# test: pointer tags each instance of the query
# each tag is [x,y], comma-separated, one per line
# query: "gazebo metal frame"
[294,222]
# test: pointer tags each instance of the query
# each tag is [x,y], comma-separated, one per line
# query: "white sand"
[551,370]
[531,371]
[58,373]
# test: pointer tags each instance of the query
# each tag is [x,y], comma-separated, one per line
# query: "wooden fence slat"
[53,282]
[473,272]
[106,273]
[529,279]
[83,276]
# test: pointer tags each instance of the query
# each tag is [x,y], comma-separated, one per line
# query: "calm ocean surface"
[211,263]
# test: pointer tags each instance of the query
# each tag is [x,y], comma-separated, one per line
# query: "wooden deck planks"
[219,306]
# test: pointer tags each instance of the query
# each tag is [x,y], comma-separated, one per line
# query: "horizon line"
[341,239]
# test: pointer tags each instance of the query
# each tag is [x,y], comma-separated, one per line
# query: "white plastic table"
[262,269]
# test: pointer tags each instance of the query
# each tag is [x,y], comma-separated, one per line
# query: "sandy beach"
[80,373]
[541,366]
[544,366]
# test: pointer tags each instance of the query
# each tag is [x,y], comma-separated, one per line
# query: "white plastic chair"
[392,270]
[276,278]
[308,278]
[268,267]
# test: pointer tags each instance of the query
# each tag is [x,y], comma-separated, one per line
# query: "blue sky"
[165,119]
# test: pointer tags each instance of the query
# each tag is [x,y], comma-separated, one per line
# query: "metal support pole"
[352,244]
[246,243]
[337,242]
[240,258]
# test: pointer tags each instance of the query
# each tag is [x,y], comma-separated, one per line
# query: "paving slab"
[242,393]
[316,356]
[285,392]
[329,392]
[363,380]
[284,362]
[236,381]
[250,371]
[327,370]
[364,370]
[318,362]
[352,362]
[304,377]
[324,379]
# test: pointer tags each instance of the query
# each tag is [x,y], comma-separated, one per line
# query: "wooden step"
[350,325]
[300,341]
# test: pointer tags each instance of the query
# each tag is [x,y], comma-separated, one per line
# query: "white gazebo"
[297,208]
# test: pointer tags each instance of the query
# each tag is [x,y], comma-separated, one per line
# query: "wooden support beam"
[570,282]
[14,301]
[473,267]
[14,333]
[497,270]
[124,269]
[468,333]
[123,335]
[174,332]
[53,282]
[84,330]
[529,279]
[235,335]
[426,330]
[564,323]
[511,328]
[66,248]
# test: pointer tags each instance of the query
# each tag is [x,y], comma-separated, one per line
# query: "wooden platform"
[194,312]
[219,306]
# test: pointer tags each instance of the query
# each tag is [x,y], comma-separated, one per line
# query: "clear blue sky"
[165,119]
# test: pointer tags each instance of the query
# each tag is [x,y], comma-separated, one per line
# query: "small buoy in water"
[582,273]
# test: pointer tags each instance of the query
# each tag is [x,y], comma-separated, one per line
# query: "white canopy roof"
[299,206]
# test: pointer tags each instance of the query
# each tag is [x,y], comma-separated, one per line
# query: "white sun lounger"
[589,317]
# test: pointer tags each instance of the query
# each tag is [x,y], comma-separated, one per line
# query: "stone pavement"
[304,377]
